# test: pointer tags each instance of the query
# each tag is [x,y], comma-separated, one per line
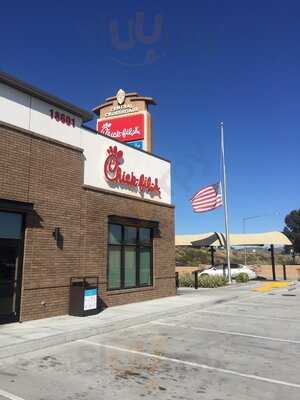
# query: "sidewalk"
[29,336]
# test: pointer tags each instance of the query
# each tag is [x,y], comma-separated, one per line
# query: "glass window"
[145,235]
[145,266]
[115,234]
[130,234]
[130,266]
[10,225]
[232,266]
[129,260]
[114,267]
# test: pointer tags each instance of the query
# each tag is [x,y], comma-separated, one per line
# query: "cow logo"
[121,96]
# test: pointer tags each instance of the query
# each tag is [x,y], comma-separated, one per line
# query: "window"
[145,265]
[232,266]
[130,254]
[130,266]
[218,267]
[10,225]
[114,271]
[115,234]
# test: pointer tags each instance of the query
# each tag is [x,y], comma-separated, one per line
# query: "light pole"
[244,227]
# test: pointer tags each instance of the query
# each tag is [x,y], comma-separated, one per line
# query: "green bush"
[186,280]
[212,281]
[204,276]
[242,277]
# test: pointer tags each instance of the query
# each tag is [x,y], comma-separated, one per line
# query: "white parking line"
[192,364]
[256,303]
[125,328]
[244,287]
[225,332]
[243,315]
[219,304]
[9,396]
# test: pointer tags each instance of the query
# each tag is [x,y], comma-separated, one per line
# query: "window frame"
[138,245]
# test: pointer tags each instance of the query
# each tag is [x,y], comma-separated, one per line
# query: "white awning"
[207,239]
[218,239]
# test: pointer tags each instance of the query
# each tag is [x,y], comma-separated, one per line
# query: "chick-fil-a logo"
[124,129]
[114,174]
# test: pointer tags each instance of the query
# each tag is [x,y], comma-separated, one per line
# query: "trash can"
[84,296]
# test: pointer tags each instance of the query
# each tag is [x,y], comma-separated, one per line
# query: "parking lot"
[248,348]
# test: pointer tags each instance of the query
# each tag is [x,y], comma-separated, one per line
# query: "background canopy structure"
[217,239]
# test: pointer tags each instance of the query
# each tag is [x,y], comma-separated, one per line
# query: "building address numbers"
[62,118]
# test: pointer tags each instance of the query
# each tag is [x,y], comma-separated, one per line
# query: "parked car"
[221,269]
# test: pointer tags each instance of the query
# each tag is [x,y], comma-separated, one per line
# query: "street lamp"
[244,227]
[292,253]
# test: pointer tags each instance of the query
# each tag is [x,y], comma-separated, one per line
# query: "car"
[221,270]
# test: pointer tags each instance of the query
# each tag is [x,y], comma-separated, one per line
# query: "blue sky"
[211,61]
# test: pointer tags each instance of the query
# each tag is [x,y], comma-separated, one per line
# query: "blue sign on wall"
[138,144]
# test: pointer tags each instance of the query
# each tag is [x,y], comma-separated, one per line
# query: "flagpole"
[225,204]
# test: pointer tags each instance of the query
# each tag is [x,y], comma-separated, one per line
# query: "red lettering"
[114,173]
[63,118]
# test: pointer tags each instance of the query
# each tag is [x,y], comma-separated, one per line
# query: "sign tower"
[125,117]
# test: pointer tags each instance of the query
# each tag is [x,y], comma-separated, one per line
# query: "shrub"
[186,280]
[211,281]
[205,276]
[242,277]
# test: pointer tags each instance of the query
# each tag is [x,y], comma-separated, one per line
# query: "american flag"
[207,199]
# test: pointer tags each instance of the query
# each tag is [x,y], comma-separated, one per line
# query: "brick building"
[74,203]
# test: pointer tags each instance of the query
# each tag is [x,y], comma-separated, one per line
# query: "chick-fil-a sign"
[115,174]
[124,129]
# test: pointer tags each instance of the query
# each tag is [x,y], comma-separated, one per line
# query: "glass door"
[10,265]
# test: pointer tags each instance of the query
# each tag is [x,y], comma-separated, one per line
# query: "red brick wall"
[99,206]
[14,165]
[49,175]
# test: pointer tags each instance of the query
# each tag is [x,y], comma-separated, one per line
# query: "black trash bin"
[84,296]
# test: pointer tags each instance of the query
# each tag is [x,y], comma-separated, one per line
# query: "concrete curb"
[63,338]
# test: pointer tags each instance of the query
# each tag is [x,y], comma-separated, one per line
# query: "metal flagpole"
[225,204]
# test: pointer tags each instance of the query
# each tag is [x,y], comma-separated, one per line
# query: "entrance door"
[10,265]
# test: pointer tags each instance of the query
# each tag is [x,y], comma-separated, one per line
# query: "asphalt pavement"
[247,347]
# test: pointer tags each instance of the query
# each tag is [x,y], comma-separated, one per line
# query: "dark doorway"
[10,265]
